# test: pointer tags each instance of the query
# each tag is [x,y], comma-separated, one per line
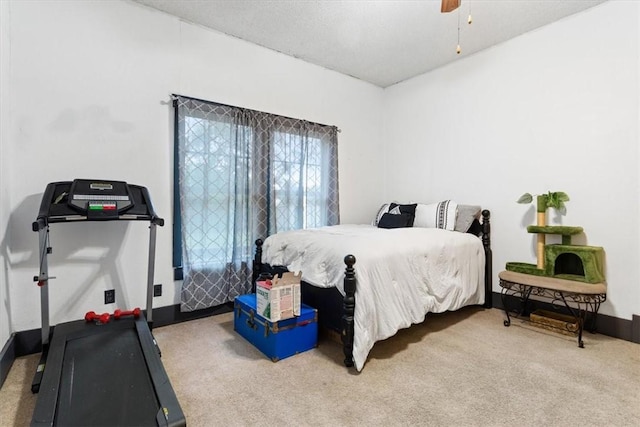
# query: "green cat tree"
[563,261]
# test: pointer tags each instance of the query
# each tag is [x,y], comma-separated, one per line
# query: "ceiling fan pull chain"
[458,50]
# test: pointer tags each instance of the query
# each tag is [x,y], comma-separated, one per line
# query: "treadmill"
[94,374]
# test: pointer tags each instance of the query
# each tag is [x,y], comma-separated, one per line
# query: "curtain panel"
[242,175]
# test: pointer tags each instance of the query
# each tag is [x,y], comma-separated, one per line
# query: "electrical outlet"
[157,290]
[109,296]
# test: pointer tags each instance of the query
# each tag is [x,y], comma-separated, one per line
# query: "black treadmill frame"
[48,375]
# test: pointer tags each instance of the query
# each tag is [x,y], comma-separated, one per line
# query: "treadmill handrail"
[43,214]
[154,217]
[43,219]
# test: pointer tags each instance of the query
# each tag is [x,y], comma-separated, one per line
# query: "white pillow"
[436,215]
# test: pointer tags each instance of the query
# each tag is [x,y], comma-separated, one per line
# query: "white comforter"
[402,274]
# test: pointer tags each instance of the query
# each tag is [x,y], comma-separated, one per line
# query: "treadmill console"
[99,199]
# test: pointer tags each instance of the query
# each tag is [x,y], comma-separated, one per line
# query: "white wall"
[85,91]
[5,313]
[555,109]
[90,85]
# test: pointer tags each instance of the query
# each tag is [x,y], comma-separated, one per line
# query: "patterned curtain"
[243,175]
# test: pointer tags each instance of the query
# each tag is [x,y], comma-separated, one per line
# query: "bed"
[394,275]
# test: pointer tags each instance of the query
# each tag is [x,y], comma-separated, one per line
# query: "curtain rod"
[175,96]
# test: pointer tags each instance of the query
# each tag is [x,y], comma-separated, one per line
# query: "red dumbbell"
[91,316]
[119,313]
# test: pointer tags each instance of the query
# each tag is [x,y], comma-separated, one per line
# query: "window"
[242,175]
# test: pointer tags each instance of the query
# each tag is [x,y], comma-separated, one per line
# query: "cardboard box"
[279,298]
[277,340]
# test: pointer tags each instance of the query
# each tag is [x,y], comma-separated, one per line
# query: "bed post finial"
[349,305]
[488,267]
[349,260]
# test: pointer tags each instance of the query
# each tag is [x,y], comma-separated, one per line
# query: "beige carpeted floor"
[456,369]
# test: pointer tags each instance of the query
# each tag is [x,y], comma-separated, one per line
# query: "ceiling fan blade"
[449,5]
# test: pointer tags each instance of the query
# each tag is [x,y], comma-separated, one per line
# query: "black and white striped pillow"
[383,210]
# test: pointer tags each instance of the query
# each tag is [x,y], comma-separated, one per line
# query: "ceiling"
[379,41]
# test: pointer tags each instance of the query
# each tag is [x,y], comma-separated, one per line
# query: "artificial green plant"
[553,199]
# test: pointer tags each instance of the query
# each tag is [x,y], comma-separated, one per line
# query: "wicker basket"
[556,322]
